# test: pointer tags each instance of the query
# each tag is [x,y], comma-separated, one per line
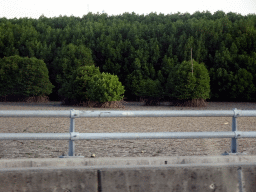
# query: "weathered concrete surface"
[179,178]
[48,179]
[222,173]
[248,175]
[185,178]
[60,162]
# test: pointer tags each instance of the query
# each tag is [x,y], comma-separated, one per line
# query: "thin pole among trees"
[191,61]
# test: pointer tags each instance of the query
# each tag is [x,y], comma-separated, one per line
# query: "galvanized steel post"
[71,150]
[234,129]
[73,135]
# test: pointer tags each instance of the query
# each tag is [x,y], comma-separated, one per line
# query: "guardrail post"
[73,134]
[234,129]
[71,150]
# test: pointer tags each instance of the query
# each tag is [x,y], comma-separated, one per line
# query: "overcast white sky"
[54,8]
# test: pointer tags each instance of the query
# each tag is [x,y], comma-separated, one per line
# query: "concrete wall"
[48,179]
[235,176]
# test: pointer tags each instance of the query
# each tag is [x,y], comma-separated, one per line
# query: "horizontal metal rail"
[72,135]
[123,136]
[170,113]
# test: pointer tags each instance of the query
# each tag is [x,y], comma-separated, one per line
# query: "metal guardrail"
[72,135]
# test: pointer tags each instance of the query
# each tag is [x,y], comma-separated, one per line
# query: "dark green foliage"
[76,88]
[133,83]
[182,84]
[138,47]
[243,85]
[105,87]
[71,58]
[150,88]
[229,85]
[7,40]
[221,83]
[24,76]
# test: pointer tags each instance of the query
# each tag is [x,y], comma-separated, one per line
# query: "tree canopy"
[141,49]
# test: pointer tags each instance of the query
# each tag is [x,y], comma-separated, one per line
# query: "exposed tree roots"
[96,104]
[151,101]
[189,103]
[16,98]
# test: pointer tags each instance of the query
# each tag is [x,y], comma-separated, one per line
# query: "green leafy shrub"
[181,84]
[24,76]
[77,86]
[146,89]
[150,88]
[71,57]
[243,87]
[104,88]
[151,91]
[232,86]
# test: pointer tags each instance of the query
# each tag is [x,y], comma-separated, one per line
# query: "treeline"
[142,50]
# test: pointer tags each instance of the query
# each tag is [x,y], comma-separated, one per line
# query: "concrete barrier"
[184,178]
[222,173]
[66,162]
[48,179]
